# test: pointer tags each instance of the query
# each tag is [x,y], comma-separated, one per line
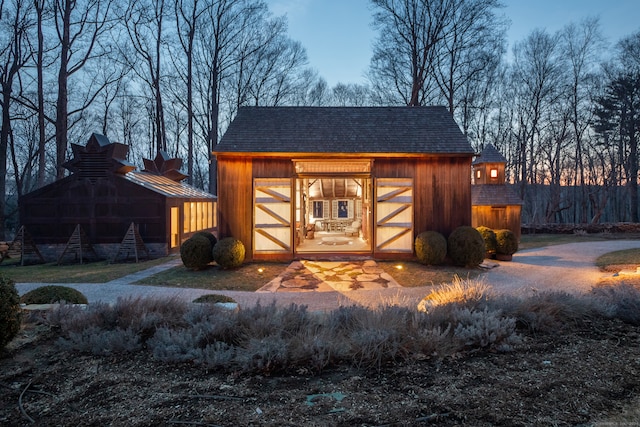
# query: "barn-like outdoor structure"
[494,203]
[297,182]
[104,194]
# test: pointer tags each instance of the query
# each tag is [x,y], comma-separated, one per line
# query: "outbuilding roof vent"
[99,158]
[166,166]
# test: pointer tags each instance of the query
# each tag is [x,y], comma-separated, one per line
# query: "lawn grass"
[628,257]
[532,241]
[92,272]
[248,277]
[413,274]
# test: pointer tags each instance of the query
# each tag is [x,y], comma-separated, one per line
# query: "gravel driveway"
[567,267]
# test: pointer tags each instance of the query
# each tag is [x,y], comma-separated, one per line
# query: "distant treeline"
[588,204]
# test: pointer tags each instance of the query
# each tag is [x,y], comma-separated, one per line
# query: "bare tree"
[536,79]
[79,26]
[581,45]
[14,55]
[225,24]
[42,137]
[410,34]
[619,122]
[189,17]
[473,42]
[356,95]
[144,22]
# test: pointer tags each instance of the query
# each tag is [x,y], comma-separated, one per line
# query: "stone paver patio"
[329,276]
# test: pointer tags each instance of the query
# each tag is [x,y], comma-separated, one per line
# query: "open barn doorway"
[333,214]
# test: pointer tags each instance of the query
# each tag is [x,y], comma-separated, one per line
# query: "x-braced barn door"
[272,215]
[394,215]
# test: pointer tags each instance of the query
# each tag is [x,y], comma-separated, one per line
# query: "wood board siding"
[272,168]
[497,217]
[235,194]
[103,208]
[442,190]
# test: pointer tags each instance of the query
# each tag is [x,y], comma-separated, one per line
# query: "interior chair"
[353,229]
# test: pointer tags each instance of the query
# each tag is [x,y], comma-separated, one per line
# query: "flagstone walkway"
[329,276]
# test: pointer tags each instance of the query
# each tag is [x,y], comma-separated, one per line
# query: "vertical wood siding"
[497,218]
[235,200]
[442,199]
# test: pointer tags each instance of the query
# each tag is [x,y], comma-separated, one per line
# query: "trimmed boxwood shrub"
[489,237]
[229,252]
[507,243]
[466,246]
[196,252]
[431,248]
[53,294]
[210,237]
[10,312]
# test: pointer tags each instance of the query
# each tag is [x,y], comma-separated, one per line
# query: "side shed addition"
[494,204]
[315,181]
[104,194]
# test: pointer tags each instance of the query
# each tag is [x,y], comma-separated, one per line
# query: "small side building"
[494,204]
[104,194]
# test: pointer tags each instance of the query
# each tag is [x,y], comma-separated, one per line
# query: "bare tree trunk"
[62,100]
[42,164]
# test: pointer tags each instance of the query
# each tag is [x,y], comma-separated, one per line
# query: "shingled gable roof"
[494,194]
[489,155]
[418,130]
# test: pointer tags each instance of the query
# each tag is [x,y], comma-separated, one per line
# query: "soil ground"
[583,373]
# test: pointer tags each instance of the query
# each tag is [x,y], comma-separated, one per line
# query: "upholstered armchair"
[353,229]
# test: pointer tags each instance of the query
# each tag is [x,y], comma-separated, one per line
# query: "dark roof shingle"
[494,194]
[490,155]
[430,130]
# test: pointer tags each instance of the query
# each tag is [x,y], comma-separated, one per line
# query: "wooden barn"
[104,195]
[494,203]
[297,182]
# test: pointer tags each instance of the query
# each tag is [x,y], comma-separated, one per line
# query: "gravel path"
[567,267]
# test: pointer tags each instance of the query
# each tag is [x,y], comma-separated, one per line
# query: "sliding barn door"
[394,215]
[272,216]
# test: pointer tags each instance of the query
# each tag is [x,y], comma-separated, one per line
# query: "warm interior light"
[260,270]
[399,267]
[494,173]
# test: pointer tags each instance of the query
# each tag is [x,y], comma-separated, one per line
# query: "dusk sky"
[338,34]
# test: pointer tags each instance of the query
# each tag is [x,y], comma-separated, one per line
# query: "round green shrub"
[196,252]
[210,237]
[466,246]
[431,248]
[507,243]
[489,237]
[10,312]
[53,294]
[229,252]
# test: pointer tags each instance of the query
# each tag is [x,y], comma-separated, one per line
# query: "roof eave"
[343,155]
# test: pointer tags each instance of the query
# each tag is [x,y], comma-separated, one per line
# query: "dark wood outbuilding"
[104,194]
[303,181]
[495,204]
